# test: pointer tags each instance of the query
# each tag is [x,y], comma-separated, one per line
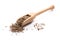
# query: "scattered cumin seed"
[39,26]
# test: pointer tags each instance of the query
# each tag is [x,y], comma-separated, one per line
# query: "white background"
[11,10]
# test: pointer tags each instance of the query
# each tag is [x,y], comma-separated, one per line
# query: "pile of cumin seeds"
[18,27]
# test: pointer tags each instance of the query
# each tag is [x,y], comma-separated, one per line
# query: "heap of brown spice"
[18,27]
